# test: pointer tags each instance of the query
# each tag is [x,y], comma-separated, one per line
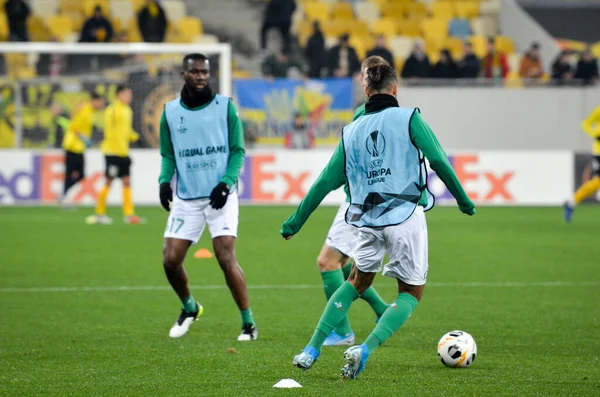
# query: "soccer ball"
[457,349]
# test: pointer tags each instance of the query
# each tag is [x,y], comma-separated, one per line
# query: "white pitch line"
[125,288]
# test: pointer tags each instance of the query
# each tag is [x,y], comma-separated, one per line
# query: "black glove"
[166,196]
[218,197]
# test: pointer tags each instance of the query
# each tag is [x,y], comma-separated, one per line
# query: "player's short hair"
[94,95]
[381,78]
[192,57]
[121,88]
[373,61]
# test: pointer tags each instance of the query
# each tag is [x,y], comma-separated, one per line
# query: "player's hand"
[219,195]
[166,196]
[286,232]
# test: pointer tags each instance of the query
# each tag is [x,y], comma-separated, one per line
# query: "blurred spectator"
[278,15]
[531,65]
[342,60]
[277,65]
[315,52]
[152,22]
[300,135]
[468,67]
[381,50]
[417,64]
[562,71]
[587,67]
[495,64]
[17,12]
[97,29]
[445,68]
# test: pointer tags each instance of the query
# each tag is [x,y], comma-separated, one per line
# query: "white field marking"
[125,288]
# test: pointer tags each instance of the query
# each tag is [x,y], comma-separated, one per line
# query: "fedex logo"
[39,179]
[481,183]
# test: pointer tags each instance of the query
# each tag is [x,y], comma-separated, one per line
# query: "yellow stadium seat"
[435,28]
[434,44]
[467,9]
[394,10]
[360,28]
[442,9]
[37,29]
[337,27]
[505,44]
[133,31]
[455,46]
[15,62]
[316,11]
[190,26]
[304,31]
[75,6]
[414,10]
[479,44]
[59,26]
[384,26]
[596,50]
[359,46]
[433,56]
[3,27]
[342,11]
[409,27]
[138,4]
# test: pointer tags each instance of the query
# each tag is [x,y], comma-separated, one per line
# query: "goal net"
[40,82]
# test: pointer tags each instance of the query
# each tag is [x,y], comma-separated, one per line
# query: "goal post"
[37,78]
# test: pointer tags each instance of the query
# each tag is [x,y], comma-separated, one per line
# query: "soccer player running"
[202,142]
[118,133]
[381,158]
[591,126]
[334,259]
[78,137]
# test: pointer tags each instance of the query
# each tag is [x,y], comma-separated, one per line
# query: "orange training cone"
[203,253]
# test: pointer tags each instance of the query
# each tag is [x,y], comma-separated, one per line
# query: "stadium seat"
[304,31]
[434,44]
[466,9]
[455,46]
[359,46]
[3,27]
[316,11]
[384,26]
[435,28]
[59,26]
[394,10]
[133,31]
[401,46]
[341,11]
[596,50]
[337,27]
[479,44]
[37,29]
[409,27]
[442,9]
[67,6]
[137,4]
[190,26]
[416,10]
[505,44]
[122,9]
[484,26]
[367,11]
[175,9]
[44,8]
[490,7]
[459,27]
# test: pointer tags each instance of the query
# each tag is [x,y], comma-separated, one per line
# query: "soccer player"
[202,143]
[118,133]
[382,159]
[591,126]
[334,259]
[77,138]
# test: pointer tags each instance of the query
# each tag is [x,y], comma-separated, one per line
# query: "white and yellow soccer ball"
[457,349]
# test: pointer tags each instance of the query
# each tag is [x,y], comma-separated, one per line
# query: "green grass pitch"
[523,283]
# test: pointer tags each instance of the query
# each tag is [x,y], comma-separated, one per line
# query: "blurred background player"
[77,138]
[591,126]
[334,259]
[118,133]
[201,135]
[388,207]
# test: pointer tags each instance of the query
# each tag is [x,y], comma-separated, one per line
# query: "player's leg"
[111,172]
[223,225]
[73,170]
[587,189]
[371,296]
[330,263]
[128,207]
[369,253]
[184,228]
[406,245]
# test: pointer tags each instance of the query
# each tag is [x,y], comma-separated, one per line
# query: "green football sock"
[247,316]
[331,282]
[335,311]
[394,317]
[370,295]
[189,304]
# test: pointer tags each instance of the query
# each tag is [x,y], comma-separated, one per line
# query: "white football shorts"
[188,219]
[342,236]
[405,244]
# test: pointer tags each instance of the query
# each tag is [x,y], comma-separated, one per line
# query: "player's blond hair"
[373,60]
